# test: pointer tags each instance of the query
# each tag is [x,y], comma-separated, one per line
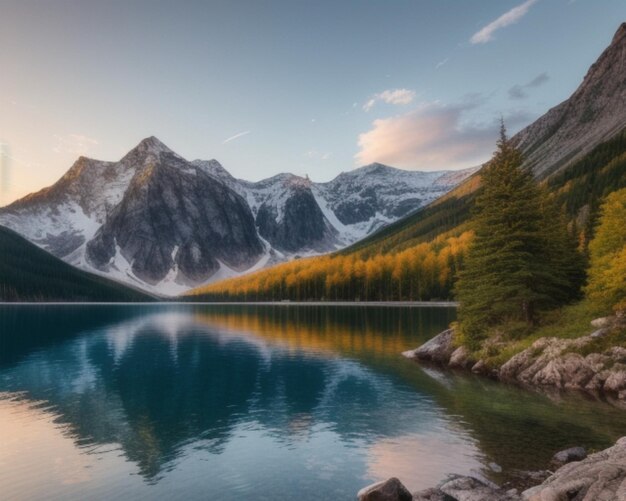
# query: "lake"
[275,402]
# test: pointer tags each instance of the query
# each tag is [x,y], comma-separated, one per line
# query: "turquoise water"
[256,402]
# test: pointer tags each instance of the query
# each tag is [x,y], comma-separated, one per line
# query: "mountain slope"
[580,139]
[28,273]
[593,114]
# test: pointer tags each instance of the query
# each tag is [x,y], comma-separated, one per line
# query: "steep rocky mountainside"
[594,113]
[341,211]
[164,224]
[579,147]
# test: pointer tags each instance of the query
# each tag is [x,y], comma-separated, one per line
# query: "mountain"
[593,114]
[164,224]
[577,150]
[28,273]
[350,207]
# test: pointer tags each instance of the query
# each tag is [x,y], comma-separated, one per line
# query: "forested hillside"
[28,273]
[418,257]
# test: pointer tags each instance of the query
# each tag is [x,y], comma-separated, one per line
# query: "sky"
[312,88]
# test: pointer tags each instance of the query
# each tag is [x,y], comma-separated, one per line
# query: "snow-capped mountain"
[162,223]
[339,212]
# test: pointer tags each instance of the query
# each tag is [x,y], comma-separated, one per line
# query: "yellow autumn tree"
[607,272]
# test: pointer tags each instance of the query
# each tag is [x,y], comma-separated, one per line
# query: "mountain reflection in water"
[270,401]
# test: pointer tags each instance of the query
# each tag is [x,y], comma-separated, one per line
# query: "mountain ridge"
[92,218]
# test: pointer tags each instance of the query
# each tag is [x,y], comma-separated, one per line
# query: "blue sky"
[306,87]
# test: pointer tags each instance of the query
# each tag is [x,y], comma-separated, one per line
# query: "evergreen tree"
[508,273]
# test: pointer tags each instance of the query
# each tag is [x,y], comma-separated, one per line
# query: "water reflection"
[266,401]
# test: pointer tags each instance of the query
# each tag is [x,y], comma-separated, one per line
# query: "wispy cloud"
[519,91]
[236,136]
[486,34]
[318,155]
[73,144]
[441,63]
[432,137]
[391,96]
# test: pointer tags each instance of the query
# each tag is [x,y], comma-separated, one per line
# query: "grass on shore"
[569,322]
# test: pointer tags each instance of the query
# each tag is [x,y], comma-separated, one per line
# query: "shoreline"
[390,304]
[550,363]
[576,475]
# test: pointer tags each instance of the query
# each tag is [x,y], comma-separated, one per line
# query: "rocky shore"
[597,477]
[549,363]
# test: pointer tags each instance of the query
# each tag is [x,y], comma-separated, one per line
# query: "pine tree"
[508,273]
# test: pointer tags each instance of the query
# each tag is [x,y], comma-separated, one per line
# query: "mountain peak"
[153,145]
[619,34]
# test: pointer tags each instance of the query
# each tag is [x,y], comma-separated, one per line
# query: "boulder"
[600,476]
[569,455]
[431,495]
[387,490]
[600,322]
[480,367]
[437,350]
[462,488]
[460,358]
[616,382]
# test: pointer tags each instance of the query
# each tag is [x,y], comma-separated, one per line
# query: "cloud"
[433,137]
[511,17]
[318,155]
[441,63]
[391,96]
[236,136]
[519,91]
[73,144]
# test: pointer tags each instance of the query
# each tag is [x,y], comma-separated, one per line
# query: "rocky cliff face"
[175,219]
[594,113]
[293,222]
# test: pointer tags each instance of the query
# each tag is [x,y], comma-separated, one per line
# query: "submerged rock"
[387,490]
[569,455]
[463,488]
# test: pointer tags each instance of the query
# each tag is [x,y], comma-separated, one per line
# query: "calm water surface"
[255,402]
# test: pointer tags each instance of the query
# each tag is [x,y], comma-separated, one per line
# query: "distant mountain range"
[164,224]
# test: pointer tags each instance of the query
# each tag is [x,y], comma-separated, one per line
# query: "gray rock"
[387,490]
[462,488]
[616,382]
[600,476]
[600,322]
[460,358]
[437,350]
[431,495]
[480,367]
[569,455]
[603,331]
